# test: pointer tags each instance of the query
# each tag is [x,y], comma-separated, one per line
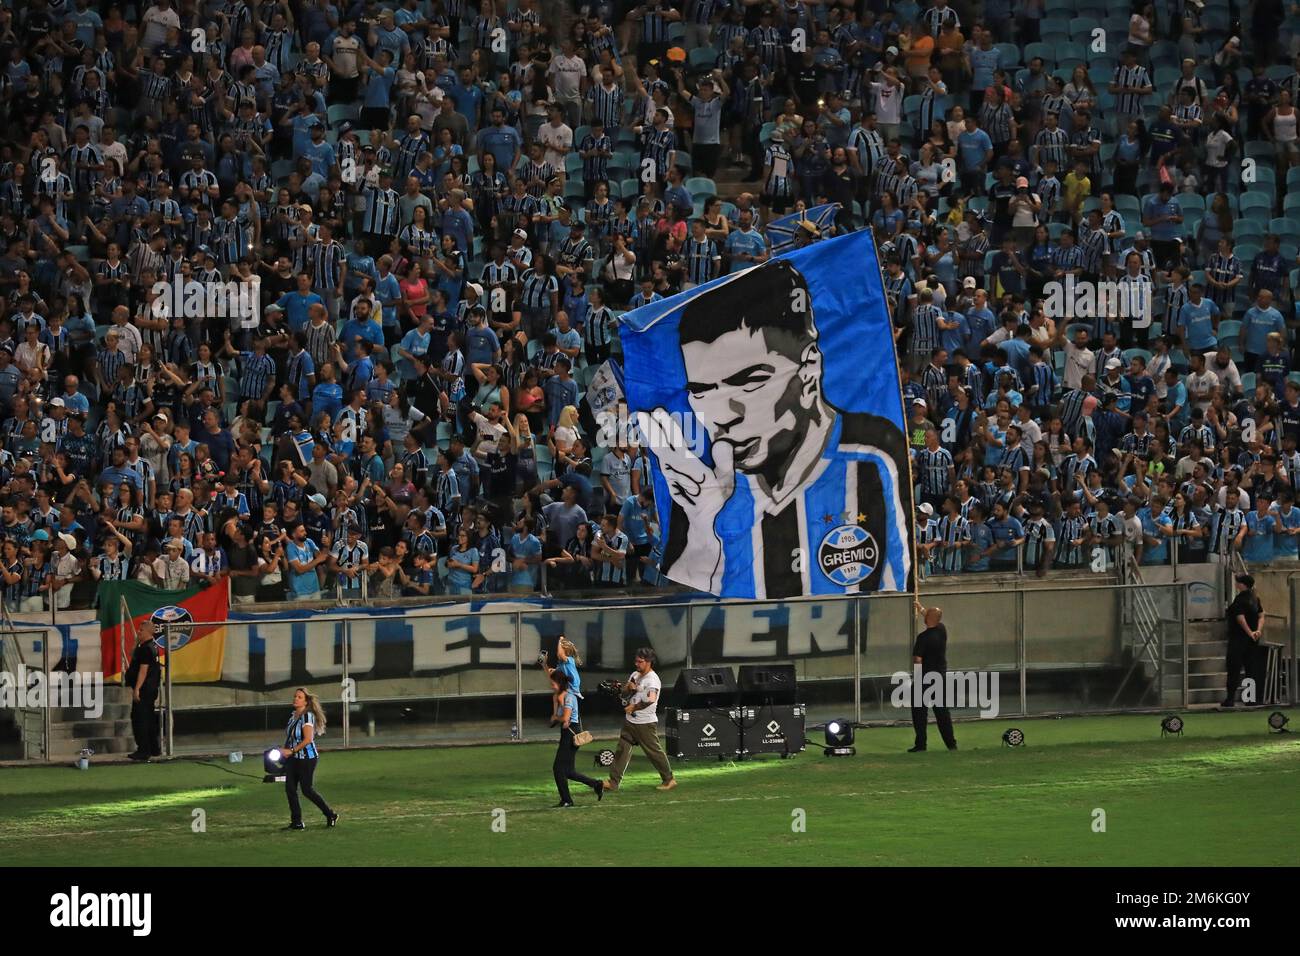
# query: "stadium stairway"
[1207,665]
[71,732]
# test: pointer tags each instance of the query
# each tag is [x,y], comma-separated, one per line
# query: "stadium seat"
[1071,54]
[1229,329]
[1255,201]
[342,113]
[1130,354]
[1247,382]
[1054,25]
[701,186]
[1010,55]
[1047,52]
[702,58]
[1283,227]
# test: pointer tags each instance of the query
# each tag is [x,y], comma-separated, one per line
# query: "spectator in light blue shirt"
[525,557]
[1197,320]
[1286,526]
[1260,319]
[1155,525]
[319,152]
[981,541]
[296,304]
[1260,527]
[745,246]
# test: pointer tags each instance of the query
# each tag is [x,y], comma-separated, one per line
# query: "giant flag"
[198,641]
[770,402]
[780,232]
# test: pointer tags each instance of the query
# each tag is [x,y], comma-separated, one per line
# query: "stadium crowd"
[439,209]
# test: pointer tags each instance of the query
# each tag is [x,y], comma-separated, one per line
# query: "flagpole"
[902,401]
[124,613]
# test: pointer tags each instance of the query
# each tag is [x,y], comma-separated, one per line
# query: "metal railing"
[29,721]
[1012,651]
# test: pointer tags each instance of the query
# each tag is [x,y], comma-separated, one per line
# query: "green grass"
[1222,793]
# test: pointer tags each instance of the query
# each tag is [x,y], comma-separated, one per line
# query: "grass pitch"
[1224,793]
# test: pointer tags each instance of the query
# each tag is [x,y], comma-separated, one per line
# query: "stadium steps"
[71,732]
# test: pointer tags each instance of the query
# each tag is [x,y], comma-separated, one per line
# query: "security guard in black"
[143,677]
[930,651]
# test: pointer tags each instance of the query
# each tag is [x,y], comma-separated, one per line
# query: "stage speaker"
[767,684]
[699,687]
[693,734]
[776,729]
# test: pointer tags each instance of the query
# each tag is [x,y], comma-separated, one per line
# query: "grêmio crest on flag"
[770,403]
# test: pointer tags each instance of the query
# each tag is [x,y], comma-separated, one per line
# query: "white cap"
[925,508]
[521,234]
[969,283]
[1114,363]
[68,539]
[478,289]
[919,402]
[57,402]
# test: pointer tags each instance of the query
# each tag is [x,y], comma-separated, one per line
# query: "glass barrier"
[260,666]
[982,654]
[436,675]
[1095,649]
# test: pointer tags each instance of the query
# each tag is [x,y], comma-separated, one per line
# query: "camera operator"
[641,725]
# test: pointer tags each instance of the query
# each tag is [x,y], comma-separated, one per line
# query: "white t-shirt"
[345,56]
[1216,148]
[566,73]
[889,104]
[644,685]
[555,139]
[156,23]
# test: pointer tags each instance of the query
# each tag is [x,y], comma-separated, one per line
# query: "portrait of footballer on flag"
[769,400]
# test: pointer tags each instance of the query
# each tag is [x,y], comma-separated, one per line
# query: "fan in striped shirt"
[1075,534]
[701,255]
[605,101]
[598,330]
[1051,142]
[953,537]
[1130,84]
[939,16]
[381,215]
[934,469]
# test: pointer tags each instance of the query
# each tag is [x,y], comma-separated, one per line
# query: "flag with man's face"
[770,402]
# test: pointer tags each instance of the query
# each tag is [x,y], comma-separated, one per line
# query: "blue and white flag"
[769,400]
[781,232]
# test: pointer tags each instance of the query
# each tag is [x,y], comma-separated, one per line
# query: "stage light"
[1277,722]
[273,764]
[1014,737]
[839,739]
[1173,724]
[605,758]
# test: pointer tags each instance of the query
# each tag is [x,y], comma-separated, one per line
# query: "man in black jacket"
[930,652]
[1245,618]
[143,679]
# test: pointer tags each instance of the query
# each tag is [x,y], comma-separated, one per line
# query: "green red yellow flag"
[198,637]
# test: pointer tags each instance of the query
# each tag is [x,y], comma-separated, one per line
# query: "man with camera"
[641,725]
